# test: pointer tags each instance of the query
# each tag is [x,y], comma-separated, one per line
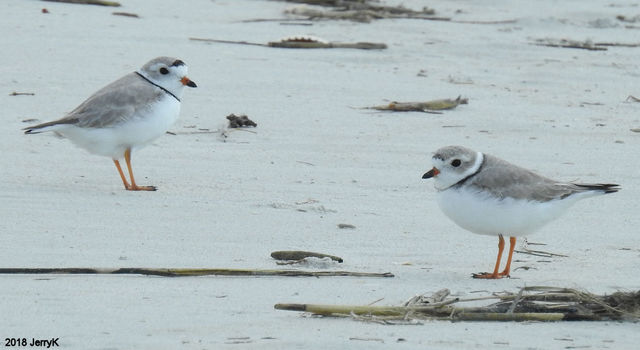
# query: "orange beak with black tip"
[186,81]
[431,173]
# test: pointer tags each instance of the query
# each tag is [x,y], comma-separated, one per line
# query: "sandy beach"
[314,161]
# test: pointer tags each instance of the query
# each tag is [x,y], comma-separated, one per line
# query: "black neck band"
[471,175]
[154,84]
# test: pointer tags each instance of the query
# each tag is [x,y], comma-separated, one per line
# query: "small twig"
[21,94]
[539,253]
[194,132]
[526,250]
[570,44]
[506,21]
[243,129]
[227,41]
[375,301]
[125,14]
[303,162]
[284,20]
[515,302]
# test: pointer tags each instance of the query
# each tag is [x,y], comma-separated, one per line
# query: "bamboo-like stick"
[574,305]
[518,317]
[330,310]
[190,272]
[435,312]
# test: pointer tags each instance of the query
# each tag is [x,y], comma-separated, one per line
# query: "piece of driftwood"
[528,304]
[303,42]
[240,121]
[299,255]
[188,272]
[88,2]
[428,106]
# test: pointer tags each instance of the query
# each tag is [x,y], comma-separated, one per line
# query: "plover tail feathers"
[606,188]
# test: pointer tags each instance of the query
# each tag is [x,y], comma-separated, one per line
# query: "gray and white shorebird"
[127,114]
[489,196]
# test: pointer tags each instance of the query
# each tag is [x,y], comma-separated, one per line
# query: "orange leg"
[124,179]
[495,274]
[512,245]
[134,187]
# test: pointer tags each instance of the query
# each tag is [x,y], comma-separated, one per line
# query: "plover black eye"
[164,71]
[456,162]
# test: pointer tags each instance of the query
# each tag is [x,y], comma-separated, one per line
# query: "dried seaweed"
[240,121]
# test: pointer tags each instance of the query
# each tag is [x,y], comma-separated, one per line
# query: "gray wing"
[505,180]
[115,103]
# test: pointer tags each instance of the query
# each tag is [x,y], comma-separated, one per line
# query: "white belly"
[134,133]
[483,214]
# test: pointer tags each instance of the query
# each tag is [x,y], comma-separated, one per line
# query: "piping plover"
[126,114]
[489,196]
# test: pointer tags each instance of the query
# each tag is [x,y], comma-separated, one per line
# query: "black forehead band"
[177,63]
